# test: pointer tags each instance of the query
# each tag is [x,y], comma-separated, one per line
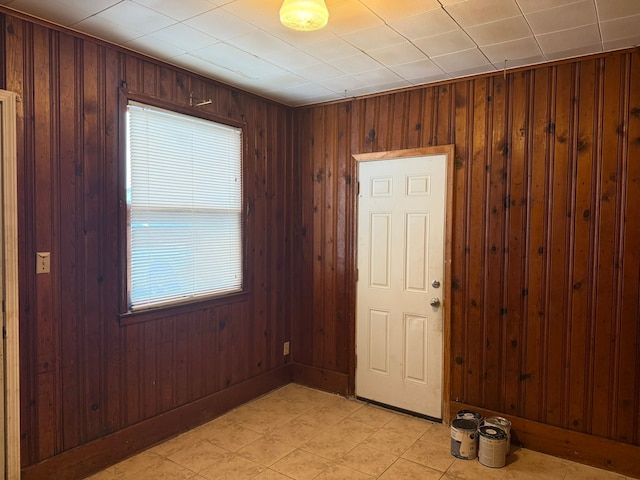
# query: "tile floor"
[303,434]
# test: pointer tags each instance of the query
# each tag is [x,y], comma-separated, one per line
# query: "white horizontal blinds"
[185,207]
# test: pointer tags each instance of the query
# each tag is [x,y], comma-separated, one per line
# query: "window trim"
[127,316]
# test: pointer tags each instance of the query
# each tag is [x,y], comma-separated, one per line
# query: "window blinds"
[184,201]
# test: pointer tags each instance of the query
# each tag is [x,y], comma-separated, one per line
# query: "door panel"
[400,253]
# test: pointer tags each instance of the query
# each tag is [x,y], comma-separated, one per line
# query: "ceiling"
[369,46]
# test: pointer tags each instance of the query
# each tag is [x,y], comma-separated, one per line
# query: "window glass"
[184,207]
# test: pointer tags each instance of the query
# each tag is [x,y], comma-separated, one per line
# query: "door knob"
[434,302]
[435,284]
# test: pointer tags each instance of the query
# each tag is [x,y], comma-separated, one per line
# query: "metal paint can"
[470,415]
[492,449]
[464,438]
[502,423]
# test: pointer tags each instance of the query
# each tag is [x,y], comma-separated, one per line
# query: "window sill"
[158,313]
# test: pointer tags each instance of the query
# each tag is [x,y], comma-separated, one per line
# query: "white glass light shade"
[304,15]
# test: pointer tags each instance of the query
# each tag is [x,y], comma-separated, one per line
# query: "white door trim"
[8,177]
[447,150]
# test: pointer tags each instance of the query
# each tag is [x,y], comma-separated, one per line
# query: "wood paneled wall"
[85,376]
[546,266]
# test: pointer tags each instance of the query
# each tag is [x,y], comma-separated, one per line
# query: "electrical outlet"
[285,349]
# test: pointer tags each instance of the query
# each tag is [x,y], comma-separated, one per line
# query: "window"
[184,207]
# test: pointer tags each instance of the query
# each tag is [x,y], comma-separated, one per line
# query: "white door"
[400,260]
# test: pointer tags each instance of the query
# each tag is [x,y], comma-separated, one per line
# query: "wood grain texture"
[85,375]
[545,274]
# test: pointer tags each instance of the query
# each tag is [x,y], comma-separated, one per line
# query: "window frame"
[127,316]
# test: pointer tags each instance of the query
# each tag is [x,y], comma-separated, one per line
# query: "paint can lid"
[493,433]
[465,424]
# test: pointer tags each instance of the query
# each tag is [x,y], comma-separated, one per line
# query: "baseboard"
[320,378]
[579,447]
[99,454]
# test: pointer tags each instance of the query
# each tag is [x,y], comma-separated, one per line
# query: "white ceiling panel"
[500,31]
[516,52]
[445,43]
[476,12]
[368,46]
[177,10]
[610,9]
[571,39]
[563,18]
[529,6]
[426,24]
[453,62]
[626,27]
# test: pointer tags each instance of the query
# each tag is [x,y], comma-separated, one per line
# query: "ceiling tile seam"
[598,22]
[401,35]
[98,12]
[535,37]
[470,37]
[162,13]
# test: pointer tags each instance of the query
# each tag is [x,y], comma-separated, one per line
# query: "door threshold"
[399,410]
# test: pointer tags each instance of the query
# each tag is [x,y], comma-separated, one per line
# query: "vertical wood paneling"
[629,384]
[515,246]
[460,281]
[476,221]
[545,287]
[83,374]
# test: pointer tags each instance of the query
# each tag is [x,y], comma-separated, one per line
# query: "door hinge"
[358,189]
[356,361]
[4,332]
[357,274]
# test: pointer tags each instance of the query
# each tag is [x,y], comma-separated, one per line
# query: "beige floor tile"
[163,470]
[521,465]
[231,437]
[103,475]
[406,470]
[301,465]
[340,472]
[584,472]
[293,406]
[367,460]
[178,443]
[197,456]
[372,415]
[232,467]
[438,433]
[265,451]
[262,421]
[529,465]
[430,455]
[389,442]
[339,405]
[331,446]
[296,432]
[352,430]
[141,461]
[410,426]
[320,418]
[271,475]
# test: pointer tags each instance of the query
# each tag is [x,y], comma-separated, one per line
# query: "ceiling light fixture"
[304,15]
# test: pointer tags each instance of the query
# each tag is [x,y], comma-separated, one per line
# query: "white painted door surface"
[401,221]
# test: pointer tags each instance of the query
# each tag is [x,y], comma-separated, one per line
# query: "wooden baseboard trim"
[579,447]
[327,380]
[94,456]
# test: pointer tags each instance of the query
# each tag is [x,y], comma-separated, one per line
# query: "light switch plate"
[43,262]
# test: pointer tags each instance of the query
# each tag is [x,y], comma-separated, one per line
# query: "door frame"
[449,151]
[9,244]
